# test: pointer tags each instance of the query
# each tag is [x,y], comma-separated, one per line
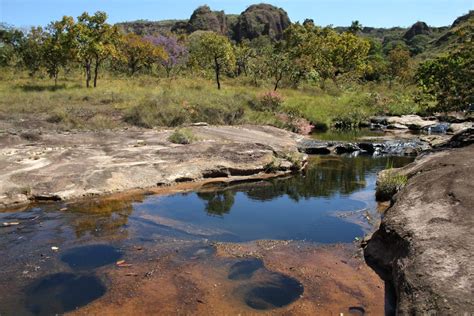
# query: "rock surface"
[262,19]
[413,122]
[73,165]
[425,244]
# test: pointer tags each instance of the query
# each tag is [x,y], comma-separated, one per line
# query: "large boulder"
[261,19]
[424,247]
[204,19]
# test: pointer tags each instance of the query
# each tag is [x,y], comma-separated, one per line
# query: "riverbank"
[424,246]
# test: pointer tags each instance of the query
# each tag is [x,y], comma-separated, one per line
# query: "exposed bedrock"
[59,166]
[425,244]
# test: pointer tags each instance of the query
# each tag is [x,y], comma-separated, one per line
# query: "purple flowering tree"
[176,52]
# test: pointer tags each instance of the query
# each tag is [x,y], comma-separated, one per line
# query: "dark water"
[90,257]
[326,204]
[262,289]
[277,290]
[245,269]
[62,292]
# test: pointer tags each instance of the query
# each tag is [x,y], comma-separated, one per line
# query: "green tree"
[139,53]
[355,27]
[213,51]
[376,63]
[349,54]
[31,50]
[97,41]
[58,47]
[398,64]
[243,53]
[279,65]
[449,79]
[10,41]
[325,52]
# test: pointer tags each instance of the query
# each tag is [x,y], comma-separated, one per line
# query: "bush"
[388,184]
[182,136]
[269,101]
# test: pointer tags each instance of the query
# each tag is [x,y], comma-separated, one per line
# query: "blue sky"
[337,12]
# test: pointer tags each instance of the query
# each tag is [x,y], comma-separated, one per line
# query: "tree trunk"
[96,72]
[217,69]
[88,73]
[278,79]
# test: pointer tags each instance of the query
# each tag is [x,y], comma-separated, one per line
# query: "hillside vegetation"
[256,67]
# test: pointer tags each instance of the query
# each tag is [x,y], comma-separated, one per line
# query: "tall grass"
[148,101]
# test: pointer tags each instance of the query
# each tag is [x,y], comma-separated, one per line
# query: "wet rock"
[346,148]
[314,147]
[461,139]
[403,147]
[380,120]
[367,147]
[425,246]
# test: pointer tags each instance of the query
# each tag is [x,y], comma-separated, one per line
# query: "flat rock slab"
[58,166]
[425,244]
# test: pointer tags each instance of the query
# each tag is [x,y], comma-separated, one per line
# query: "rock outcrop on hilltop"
[419,28]
[204,19]
[261,19]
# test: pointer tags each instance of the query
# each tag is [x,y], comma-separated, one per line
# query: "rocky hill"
[264,19]
[256,20]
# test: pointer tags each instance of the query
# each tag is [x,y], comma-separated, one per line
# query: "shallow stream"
[59,257]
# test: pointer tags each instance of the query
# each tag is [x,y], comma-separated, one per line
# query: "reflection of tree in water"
[324,177]
[101,218]
[218,203]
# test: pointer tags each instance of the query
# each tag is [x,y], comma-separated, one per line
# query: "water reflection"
[325,177]
[298,207]
[103,217]
[218,203]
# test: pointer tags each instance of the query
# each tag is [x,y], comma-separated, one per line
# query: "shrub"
[182,136]
[389,183]
[351,118]
[269,101]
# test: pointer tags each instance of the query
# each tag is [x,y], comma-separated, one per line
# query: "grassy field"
[153,102]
